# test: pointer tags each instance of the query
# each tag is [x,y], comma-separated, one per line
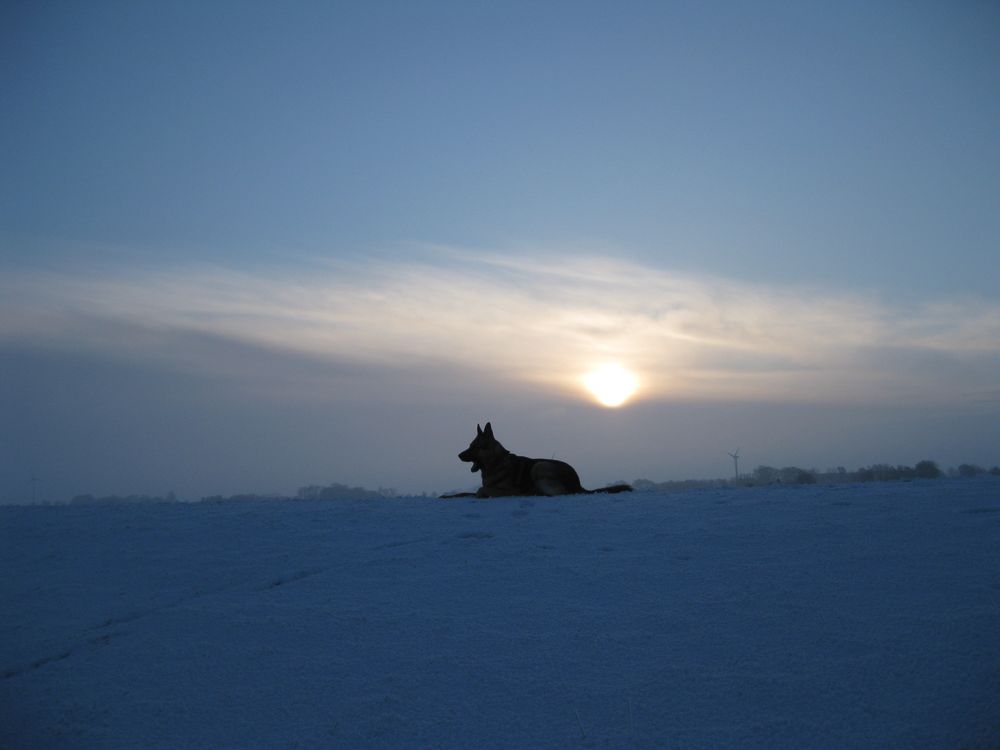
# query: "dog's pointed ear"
[489,430]
[479,430]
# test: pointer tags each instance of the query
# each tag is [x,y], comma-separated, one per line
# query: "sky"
[246,247]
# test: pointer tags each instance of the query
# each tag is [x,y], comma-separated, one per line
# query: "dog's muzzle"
[464,456]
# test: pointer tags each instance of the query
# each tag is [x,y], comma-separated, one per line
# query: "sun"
[611,384]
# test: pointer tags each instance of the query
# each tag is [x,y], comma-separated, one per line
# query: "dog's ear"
[479,430]
[489,430]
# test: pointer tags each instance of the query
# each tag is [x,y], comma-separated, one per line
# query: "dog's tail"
[611,490]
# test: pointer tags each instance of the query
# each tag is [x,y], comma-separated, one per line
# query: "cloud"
[540,320]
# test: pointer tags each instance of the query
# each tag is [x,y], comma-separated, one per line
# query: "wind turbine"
[736,463]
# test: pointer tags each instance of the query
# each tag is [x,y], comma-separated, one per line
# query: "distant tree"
[795,475]
[927,469]
[889,472]
[766,475]
[970,470]
[995,471]
[885,473]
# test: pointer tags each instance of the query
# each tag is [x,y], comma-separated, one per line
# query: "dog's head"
[482,449]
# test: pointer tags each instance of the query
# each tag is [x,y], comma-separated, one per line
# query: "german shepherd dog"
[505,474]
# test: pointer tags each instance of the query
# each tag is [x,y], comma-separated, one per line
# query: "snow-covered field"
[857,616]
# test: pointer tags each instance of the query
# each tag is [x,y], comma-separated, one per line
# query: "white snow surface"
[855,616]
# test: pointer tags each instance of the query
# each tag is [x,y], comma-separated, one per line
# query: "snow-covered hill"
[858,616]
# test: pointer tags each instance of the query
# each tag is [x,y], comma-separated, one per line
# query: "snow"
[853,616]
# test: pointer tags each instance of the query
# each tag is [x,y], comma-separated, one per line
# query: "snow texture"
[857,616]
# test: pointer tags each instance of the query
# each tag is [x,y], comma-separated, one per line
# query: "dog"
[505,474]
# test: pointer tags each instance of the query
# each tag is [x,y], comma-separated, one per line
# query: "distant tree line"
[972,470]
[333,491]
[770,475]
[342,492]
[679,485]
[170,497]
[875,473]
[925,469]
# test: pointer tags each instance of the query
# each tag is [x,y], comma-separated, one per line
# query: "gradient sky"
[246,247]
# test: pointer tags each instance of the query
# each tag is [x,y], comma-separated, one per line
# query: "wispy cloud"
[544,319]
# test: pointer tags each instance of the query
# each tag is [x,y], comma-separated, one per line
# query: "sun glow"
[612,385]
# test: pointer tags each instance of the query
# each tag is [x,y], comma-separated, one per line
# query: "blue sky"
[329,238]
